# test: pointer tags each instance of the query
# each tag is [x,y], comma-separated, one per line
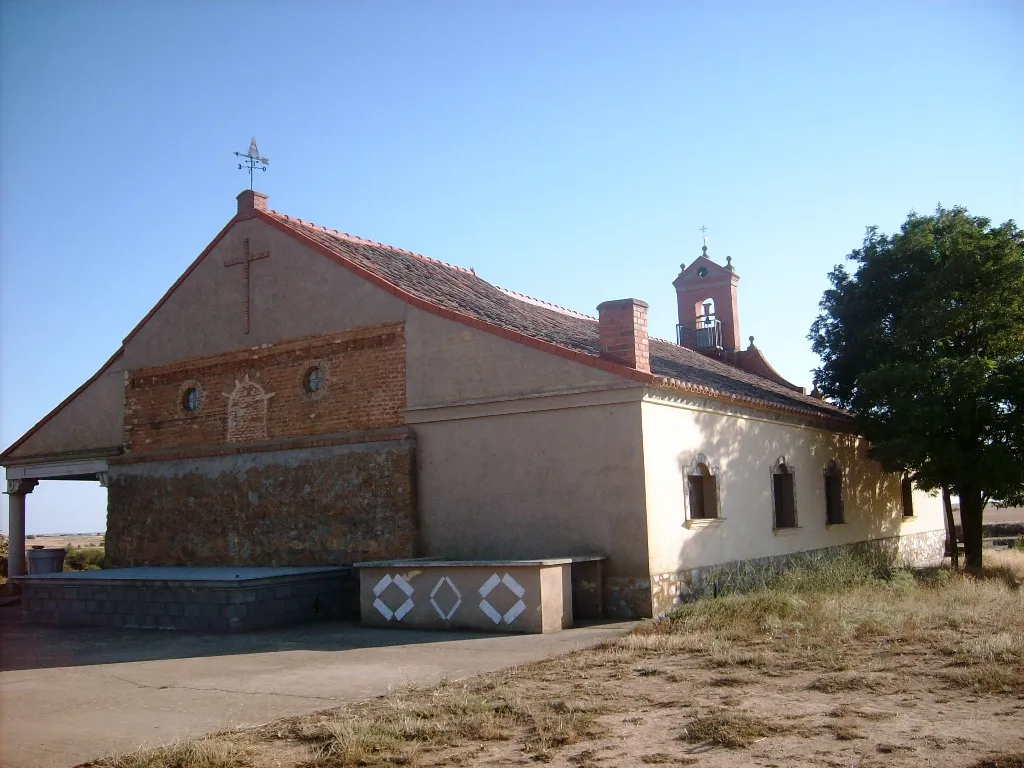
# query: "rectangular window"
[785,501]
[907,491]
[696,497]
[703,497]
[833,499]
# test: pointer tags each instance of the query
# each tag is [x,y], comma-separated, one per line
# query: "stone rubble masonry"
[667,590]
[199,607]
[363,389]
[321,505]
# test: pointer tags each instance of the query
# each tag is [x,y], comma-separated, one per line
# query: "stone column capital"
[104,478]
[20,487]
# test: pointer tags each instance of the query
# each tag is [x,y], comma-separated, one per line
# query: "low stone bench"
[198,599]
[493,595]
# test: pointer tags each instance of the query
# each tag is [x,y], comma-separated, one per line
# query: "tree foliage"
[924,342]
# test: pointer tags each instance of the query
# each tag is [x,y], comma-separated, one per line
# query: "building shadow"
[35,646]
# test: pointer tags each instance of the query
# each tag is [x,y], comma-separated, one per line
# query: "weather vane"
[703,230]
[252,160]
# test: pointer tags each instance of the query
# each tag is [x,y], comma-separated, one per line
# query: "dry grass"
[200,753]
[731,729]
[396,729]
[836,656]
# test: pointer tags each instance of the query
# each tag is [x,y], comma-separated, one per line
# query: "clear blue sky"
[566,150]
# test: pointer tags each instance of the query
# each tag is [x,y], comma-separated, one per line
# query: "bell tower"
[708,314]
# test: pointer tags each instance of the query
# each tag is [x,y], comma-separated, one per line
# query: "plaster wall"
[295,292]
[90,421]
[744,447]
[552,483]
[451,363]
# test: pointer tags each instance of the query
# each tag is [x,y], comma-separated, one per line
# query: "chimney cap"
[622,303]
[250,201]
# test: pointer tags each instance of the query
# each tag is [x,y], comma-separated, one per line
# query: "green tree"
[924,343]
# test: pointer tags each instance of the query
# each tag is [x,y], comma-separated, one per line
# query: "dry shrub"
[728,681]
[731,729]
[1001,761]
[988,678]
[844,731]
[201,753]
[394,729]
[881,684]
[844,711]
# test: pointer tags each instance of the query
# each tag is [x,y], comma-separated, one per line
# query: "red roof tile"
[471,298]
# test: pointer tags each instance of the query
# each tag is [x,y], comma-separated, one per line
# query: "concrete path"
[71,694]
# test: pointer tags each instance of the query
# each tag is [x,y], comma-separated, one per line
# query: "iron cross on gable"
[245,259]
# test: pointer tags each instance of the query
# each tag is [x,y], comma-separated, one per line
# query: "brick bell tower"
[708,313]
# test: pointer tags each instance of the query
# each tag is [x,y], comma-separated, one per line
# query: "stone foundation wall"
[627,597]
[214,607]
[329,505]
[667,590]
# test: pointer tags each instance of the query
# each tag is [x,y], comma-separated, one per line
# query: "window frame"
[907,496]
[782,468]
[709,482]
[184,389]
[832,474]
[306,370]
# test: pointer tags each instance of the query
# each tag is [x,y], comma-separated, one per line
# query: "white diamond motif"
[382,607]
[514,587]
[458,598]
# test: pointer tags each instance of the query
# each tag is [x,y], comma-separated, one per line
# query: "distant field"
[65,539]
[994,515]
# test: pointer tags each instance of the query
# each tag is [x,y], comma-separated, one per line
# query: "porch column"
[16,492]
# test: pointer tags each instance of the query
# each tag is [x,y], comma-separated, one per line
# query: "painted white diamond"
[514,587]
[458,598]
[382,607]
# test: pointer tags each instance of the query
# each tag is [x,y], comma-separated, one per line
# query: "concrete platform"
[205,599]
[70,694]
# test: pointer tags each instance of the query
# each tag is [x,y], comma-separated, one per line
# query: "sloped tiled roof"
[463,293]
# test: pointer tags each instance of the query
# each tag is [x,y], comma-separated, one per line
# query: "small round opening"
[702,272]
[314,379]
[190,400]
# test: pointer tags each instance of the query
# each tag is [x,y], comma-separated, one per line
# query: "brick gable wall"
[260,394]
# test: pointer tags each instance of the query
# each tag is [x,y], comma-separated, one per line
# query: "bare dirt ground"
[845,668]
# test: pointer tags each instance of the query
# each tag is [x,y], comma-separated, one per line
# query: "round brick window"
[190,400]
[314,379]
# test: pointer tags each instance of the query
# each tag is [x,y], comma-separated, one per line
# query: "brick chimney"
[622,327]
[249,202]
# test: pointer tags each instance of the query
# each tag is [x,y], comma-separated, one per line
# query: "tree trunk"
[952,546]
[971,505]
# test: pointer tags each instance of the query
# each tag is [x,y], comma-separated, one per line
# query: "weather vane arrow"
[252,160]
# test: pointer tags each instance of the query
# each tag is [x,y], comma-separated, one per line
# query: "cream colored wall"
[295,292]
[91,421]
[450,363]
[536,484]
[744,448]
